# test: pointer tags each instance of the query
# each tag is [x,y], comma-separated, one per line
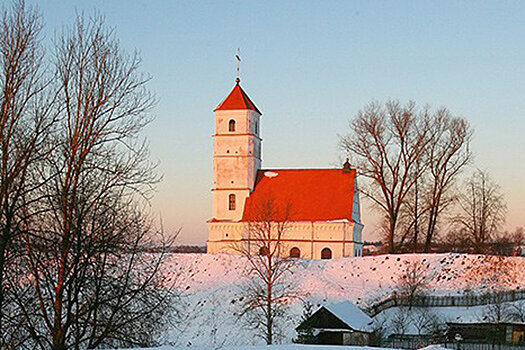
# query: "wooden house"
[337,324]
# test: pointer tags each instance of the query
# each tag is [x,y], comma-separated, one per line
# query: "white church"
[323,214]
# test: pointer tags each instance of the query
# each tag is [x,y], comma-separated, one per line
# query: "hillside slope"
[211,288]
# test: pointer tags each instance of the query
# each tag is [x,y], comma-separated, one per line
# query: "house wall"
[356,338]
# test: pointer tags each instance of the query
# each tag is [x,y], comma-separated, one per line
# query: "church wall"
[356,206]
[220,204]
[245,122]
[310,237]
[236,159]
[331,231]
[234,172]
[338,249]
[357,230]
[235,145]
[223,237]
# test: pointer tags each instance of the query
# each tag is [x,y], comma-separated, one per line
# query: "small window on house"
[264,250]
[256,128]
[231,202]
[231,125]
[326,253]
[295,253]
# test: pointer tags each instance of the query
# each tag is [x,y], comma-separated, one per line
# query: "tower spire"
[238,58]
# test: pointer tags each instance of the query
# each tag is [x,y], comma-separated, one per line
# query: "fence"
[431,301]
[421,343]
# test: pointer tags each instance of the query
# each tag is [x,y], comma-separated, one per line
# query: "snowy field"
[285,347]
[211,287]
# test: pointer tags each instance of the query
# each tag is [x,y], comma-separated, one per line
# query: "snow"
[211,289]
[351,315]
[339,220]
[284,347]
[433,347]
[270,174]
[455,314]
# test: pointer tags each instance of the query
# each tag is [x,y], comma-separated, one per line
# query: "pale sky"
[309,66]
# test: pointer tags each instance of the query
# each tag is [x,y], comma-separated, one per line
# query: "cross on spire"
[238,58]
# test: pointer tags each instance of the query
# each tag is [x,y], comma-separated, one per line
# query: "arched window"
[231,202]
[326,253]
[231,125]
[295,253]
[264,250]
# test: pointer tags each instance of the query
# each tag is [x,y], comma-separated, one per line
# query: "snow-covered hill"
[287,347]
[211,288]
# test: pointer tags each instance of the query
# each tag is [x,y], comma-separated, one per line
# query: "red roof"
[236,99]
[309,194]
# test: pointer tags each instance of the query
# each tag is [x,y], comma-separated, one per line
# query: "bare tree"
[388,142]
[454,241]
[508,243]
[498,311]
[412,158]
[93,282]
[400,320]
[426,321]
[267,291]
[447,153]
[517,311]
[482,210]
[436,173]
[412,281]
[25,121]
[518,237]
[306,334]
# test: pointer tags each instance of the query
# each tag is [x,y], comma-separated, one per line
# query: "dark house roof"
[343,315]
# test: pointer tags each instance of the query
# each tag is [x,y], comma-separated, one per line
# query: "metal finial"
[346,166]
[238,57]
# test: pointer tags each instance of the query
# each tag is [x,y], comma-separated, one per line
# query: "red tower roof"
[237,99]
[305,194]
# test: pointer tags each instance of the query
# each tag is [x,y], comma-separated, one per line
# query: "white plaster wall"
[235,172]
[356,206]
[338,249]
[223,236]
[310,237]
[220,204]
[245,121]
[235,145]
[236,159]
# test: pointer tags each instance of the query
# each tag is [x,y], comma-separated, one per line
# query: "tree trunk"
[269,330]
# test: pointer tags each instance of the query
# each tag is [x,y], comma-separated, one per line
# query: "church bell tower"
[236,154]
